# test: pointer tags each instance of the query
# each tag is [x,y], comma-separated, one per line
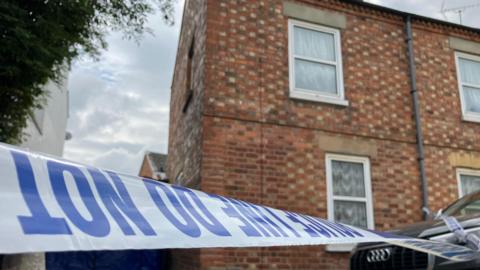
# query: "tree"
[40,38]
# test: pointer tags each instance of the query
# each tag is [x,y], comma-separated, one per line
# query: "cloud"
[120,158]
[119,105]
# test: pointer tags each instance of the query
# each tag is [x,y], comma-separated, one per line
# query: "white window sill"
[340,248]
[471,117]
[319,98]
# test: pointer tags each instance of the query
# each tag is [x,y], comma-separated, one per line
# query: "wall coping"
[464,45]
[314,15]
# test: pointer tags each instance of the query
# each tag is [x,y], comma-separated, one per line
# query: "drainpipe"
[418,121]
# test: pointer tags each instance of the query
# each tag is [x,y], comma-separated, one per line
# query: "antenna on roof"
[459,10]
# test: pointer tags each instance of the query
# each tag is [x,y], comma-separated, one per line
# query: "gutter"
[418,120]
[404,14]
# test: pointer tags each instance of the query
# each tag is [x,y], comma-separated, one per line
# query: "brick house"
[153,166]
[307,105]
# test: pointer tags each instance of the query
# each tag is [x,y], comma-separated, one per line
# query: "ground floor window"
[349,190]
[468,181]
[349,193]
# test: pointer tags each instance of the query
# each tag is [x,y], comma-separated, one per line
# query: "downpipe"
[418,121]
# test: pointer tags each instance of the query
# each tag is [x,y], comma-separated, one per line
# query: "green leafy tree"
[40,38]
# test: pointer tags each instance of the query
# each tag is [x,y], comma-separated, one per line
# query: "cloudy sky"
[119,105]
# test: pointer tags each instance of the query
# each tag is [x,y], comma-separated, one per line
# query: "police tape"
[471,240]
[48,204]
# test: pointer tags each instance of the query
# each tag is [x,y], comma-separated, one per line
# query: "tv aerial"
[459,10]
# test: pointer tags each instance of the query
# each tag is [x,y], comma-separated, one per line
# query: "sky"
[119,104]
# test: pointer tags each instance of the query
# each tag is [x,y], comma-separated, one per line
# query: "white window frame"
[330,197]
[305,94]
[466,115]
[462,171]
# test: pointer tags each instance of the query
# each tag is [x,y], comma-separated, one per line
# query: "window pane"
[348,179]
[470,183]
[470,71]
[471,209]
[315,76]
[472,99]
[351,213]
[314,44]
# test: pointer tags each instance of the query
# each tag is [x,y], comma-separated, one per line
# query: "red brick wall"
[439,92]
[292,176]
[185,130]
[445,132]
[185,134]
[245,137]
[145,169]
[248,75]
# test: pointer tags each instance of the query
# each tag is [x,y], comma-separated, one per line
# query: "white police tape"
[47,204]
[470,239]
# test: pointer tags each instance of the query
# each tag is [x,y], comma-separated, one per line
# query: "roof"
[412,15]
[157,161]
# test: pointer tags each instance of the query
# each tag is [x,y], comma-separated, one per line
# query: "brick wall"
[145,169]
[292,176]
[245,138]
[248,77]
[185,136]
[446,134]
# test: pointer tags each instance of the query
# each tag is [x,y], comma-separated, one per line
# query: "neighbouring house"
[335,108]
[45,133]
[154,166]
[46,127]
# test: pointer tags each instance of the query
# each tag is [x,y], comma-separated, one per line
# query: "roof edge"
[412,15]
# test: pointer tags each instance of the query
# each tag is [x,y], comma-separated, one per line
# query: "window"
[468,181]
[468,74]
[189,77]
[315,63]
[191,53]
[349,193]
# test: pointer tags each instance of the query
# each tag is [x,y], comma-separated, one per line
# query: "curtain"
[470,74]
[315,76]
[472,98]
[470,183]
[352,213]
[314,44]
[348,179]
[311,75]
[469,71]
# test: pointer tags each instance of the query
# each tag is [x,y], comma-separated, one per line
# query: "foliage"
[40,38]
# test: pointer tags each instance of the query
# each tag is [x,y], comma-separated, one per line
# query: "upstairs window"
[468,69]
[315,63]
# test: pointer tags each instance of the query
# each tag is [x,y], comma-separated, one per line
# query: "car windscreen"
[467,205]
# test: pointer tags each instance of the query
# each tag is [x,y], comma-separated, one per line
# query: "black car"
[385,256]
